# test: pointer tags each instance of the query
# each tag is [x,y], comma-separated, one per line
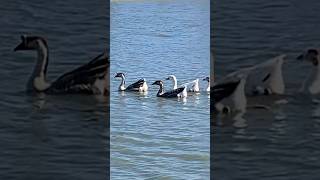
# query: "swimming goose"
[184,93]
[195,86]
[90,78]
[312,83]
[266,78]
[208,85]
[230,96]
[140,85]
[169,94]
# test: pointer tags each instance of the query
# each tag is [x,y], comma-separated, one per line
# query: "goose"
[266,78]
[312,83]
[184,93]
[195,86]
[208,85]
[90,78]
[170,94]
[140,85]
[230,96]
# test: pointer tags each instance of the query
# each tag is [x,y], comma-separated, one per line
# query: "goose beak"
[204,79]
[300,57]
[155,83]
[117,75]
[167,78]
[20,47]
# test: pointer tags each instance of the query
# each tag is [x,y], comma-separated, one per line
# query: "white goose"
[266,78]
[195,86]
[312,83]
[208,85]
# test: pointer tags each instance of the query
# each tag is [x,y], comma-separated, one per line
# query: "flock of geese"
[228,95]
[231,92]
[180,92]
[91,78]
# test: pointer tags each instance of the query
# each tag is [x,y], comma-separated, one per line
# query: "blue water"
[153,137]
[45,137]
[283,142]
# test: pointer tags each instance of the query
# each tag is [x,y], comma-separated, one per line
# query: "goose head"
[206,79]
[31,43]
[119,75]
[311,55]
[171,77]
[158,82]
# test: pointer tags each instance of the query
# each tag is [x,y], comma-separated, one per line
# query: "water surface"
[281,143]
[45,137]
[153,137]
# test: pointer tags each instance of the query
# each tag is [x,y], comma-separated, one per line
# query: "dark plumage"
[266,77]
[170,94]
[206,79]
[221,91]
[140,85]
[310,55]
[135,86]
[82,79]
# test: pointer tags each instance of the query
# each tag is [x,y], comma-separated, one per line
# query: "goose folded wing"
[83,78]
[223,90]
[136,85]
[174,93]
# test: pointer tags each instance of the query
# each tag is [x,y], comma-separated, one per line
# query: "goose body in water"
[140,85]
[195,86]
[90,78]
[208,85]
[312,83]
[184,93]
[169,94]
[266,78]
[230,96]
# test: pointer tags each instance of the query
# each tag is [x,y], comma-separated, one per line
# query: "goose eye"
[225,110]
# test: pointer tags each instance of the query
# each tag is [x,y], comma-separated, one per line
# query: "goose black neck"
[123,81]
[161,89]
